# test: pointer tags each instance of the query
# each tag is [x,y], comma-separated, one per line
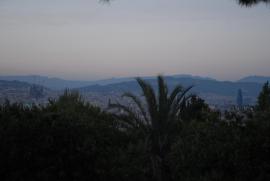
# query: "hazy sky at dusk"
[84,39]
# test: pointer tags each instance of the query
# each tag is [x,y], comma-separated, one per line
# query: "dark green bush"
[71,140]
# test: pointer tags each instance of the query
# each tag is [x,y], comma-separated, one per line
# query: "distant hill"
[132,79]
[52,83]
[13,84]
[191,76]
[60,84]
[210,86]
[213,91]
[257,79]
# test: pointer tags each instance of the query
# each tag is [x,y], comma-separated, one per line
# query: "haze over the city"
[86,39]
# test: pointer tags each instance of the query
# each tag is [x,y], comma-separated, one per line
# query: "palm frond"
[135,120]
[181,105]
[139,104]
[175,108]
[150,97]
[183,94]
[163,98]
[174,94]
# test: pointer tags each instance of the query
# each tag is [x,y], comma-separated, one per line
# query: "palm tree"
[156,116]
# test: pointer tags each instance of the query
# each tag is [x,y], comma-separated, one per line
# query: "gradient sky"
[84,39]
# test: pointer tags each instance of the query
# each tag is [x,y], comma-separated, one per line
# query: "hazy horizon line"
[129,77]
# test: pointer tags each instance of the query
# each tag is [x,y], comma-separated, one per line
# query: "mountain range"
[213,91]
[60,84]
[254,78]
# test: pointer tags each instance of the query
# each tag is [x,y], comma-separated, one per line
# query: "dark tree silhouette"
[157,118]
[264,98]
[241,2]
[69,139]
[252,2]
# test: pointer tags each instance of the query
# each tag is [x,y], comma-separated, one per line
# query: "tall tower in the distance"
[239,99]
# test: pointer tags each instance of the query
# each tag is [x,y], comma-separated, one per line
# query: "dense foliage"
[252,2]
[69,139]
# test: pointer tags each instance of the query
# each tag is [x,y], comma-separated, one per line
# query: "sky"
[88,40]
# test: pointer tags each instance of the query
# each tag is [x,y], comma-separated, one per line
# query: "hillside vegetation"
[168,134]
